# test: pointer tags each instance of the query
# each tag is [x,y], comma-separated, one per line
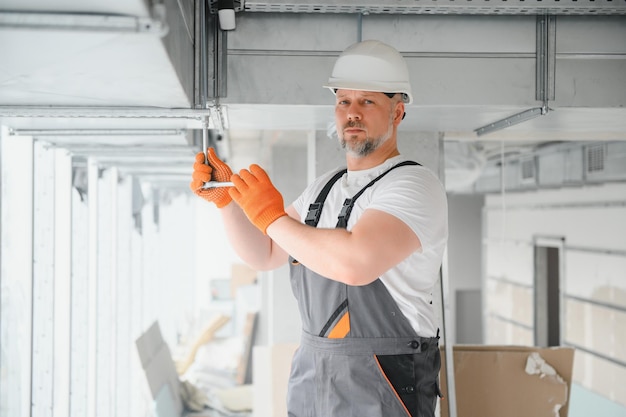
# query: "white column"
[81,320]
[105,284]
[16,273]
[43,280]
[92,295]
[62,281]
[125,343]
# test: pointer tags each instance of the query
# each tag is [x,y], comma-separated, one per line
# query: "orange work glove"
[257,197]
[216,171]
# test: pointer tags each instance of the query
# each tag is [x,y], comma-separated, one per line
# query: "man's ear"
[399,112]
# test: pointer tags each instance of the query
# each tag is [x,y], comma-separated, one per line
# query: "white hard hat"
[371,66]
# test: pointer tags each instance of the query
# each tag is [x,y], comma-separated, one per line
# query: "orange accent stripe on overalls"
[380,368]
[342,328]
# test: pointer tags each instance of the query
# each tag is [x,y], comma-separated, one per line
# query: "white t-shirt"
[414,195]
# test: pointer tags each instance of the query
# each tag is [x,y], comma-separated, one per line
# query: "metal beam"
[217,45]
[477,7]
[511,120]
[128,151]
[97,132]
[546,59]
[89,22]
[544,76]
[102,112]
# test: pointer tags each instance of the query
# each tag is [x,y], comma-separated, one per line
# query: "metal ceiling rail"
[182,172]
[174,162]
[102,112]
[512,120]
[97,132]
[86,22]
[544,77]
[130,152]
[489,7]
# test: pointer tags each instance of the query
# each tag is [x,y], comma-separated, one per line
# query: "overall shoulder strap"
[315,209]
[344,215]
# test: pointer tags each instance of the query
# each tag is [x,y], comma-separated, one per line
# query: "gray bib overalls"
[359,355]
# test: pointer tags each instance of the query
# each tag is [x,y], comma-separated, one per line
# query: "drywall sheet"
[512,381]
[160,371]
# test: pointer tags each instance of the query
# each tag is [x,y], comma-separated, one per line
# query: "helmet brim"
[333,86]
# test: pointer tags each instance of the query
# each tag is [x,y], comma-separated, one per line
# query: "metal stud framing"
[500,7]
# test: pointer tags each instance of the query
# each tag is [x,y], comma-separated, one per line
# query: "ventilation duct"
[605,162]
[555,166]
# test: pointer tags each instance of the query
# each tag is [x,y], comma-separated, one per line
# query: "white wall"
[591,220]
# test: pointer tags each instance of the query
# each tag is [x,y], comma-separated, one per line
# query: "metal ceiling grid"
[467,7]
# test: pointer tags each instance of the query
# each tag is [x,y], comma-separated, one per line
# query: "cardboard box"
[509,381]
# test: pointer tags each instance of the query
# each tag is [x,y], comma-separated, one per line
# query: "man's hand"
[216,170]
[257,197]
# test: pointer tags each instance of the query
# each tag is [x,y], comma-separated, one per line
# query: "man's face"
[365,120]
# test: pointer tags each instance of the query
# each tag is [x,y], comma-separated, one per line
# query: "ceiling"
[128,82]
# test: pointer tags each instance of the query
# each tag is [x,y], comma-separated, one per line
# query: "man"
[364,246]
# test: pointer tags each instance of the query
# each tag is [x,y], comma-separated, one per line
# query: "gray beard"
[369,145]
[362,149]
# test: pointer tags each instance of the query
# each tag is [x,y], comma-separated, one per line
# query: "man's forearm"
[255,248]
[357,257]
[325,251]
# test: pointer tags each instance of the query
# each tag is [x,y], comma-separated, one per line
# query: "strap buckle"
[313,215]
[345,213]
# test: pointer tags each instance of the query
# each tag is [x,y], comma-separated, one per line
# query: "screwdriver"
[216,184]
[205,140]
